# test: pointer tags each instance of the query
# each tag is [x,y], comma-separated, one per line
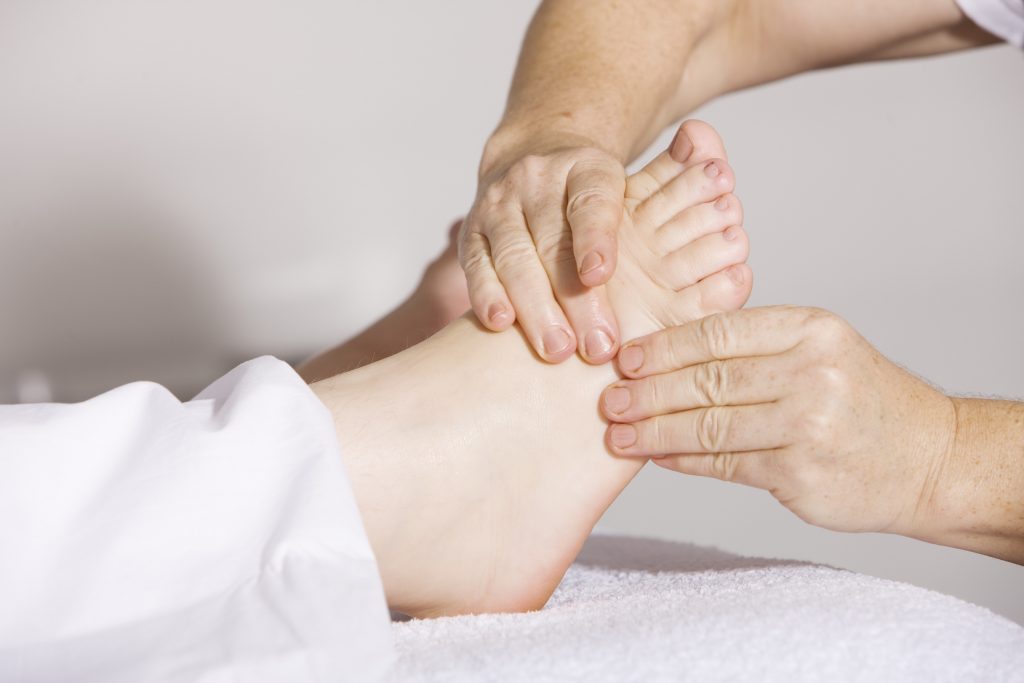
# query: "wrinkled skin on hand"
[793,401]
[523,264]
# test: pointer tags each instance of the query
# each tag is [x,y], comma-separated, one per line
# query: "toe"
[652,177]
[700,141]
[704,257]
[698,221]
[726,290]
[699,184]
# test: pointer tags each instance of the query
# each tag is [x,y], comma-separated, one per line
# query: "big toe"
[694,143]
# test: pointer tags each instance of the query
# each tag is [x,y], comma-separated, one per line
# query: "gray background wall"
[186,185]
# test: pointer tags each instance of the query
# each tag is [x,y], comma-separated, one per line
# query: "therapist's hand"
[791,400]
[520,261]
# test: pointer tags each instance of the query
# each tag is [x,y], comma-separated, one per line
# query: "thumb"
[595,190]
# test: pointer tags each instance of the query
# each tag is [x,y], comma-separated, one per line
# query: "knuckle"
[588,201]
[654,393]
[674,347]
[717,335]
[723,466]
[815,426]
[830,379]
[555,248]
[710,382]
[513,255]
[517,173]
[827,327]
[474,260]
[668,347]
[532,165]
[494,195]
[711,429]
[658,437]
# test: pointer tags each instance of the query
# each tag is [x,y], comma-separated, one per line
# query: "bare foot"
[479,469]
[440,298]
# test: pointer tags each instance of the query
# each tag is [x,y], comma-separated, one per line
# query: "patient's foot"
[440,298]
[480,470]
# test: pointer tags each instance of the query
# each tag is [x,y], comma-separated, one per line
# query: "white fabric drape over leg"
[145,539]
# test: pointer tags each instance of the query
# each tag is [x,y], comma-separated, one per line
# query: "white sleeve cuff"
[1003,18]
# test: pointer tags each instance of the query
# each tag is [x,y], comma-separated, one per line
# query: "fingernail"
[731,234]
[631,358]
[737,275]
[722,204]
[591,262]
[712,170]
[556,340]
[598,343]
[617,400]
[681,147]
[496,312]
[622,436]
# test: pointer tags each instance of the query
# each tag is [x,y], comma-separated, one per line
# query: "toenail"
[623,436]
[681,147]
[496,312]
[598,343]
[737,275]
[617,400]
[556,340]
[591,262]
[722,204]
[731,234]
[631,358]
[712,170]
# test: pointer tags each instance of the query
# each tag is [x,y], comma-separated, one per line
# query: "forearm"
[601,74]
[613,75]
[977,501]
[765,40]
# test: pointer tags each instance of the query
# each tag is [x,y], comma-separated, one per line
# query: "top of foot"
[682,249]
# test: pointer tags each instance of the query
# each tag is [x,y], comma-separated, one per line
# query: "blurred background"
[187,185]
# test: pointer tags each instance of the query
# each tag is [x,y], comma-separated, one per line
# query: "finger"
[750,332]
[751,468]
[486,293]
[595,191]
[587,309]
[696,185]
[520,270]
[732,382]
[719,429]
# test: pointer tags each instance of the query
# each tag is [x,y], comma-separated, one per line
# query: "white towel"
[644,610]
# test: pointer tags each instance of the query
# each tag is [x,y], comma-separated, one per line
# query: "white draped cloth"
[146,539]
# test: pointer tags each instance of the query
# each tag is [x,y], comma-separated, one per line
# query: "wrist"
[930,510]
[975,503]
[512,141]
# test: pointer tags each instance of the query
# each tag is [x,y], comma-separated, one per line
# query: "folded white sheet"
[644,610]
